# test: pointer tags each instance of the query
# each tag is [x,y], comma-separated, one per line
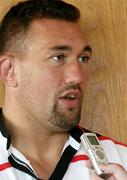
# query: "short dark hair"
[17,21]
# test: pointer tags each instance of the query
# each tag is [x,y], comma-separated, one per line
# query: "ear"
[7,70]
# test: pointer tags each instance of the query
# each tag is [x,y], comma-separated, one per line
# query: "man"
[44,59]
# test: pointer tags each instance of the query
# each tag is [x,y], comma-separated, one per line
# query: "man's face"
[53,73]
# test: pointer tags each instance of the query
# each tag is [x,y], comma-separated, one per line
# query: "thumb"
[115,170]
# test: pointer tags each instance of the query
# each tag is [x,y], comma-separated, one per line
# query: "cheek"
[51,77]
[40,81]
[47,82]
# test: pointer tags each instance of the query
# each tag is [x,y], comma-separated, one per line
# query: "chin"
[65,120]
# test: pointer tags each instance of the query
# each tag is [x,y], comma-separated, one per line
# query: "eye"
[58,58]
[84,58]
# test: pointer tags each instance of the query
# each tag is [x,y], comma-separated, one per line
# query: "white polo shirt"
[73,165]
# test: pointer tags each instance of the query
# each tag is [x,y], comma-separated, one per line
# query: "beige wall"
[105,24]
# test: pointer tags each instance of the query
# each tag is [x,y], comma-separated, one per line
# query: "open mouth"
[70,98]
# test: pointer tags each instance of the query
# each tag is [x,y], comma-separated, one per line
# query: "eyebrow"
[88,48]
[61,47]
[68,48]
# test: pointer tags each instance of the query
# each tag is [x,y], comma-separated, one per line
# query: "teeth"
[72,96]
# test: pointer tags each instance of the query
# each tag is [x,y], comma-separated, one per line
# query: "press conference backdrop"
[105,103]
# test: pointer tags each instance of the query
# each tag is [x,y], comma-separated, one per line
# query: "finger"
[115,170]
[112,168]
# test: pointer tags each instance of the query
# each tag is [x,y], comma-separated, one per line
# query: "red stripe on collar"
[5,166]
[79,158]
[101,138]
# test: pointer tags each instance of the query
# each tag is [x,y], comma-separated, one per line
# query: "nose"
[73,73]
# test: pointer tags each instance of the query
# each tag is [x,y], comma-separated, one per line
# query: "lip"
[70,103]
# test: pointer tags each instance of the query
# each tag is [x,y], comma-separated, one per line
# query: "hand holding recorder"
[103,169]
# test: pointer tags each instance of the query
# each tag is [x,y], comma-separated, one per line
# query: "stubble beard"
[65,120]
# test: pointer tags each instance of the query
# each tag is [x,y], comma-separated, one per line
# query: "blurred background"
[105,24]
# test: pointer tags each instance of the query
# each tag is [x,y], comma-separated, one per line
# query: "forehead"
[56,31]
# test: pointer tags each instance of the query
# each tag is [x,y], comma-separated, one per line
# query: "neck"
[40,145]
[26,134]
[39,142]
[26,131]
